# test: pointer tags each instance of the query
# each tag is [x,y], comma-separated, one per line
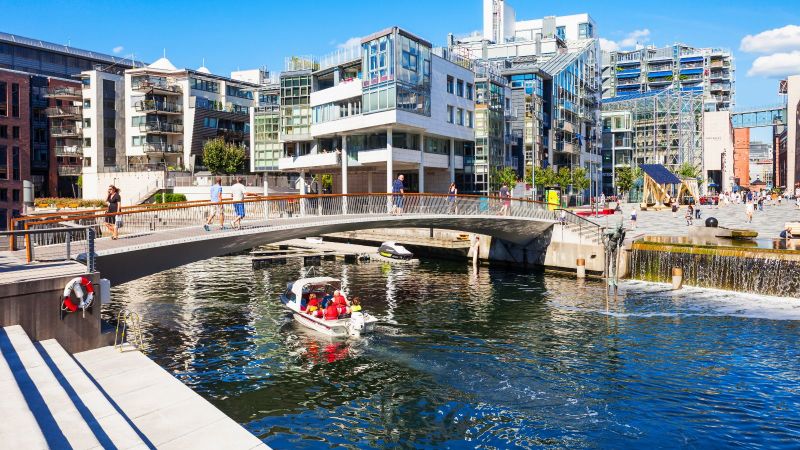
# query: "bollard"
[581,267]
[677,278]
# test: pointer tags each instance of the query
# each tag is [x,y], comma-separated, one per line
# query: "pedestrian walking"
[505,198]
[633,218]
[562,218]
[397,195]
[748,210]
[113,222]
[452,191]
[238,192]
[689,215]
[674,208]
[217,208]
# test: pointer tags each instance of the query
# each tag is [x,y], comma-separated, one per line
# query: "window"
[450,82]
[14,100]
[3,219]
[138,120]
[87,142]
[87,104]
[469,91]
[449,114]
[137,141]
[204,85]
[3,131]
[3,162]
[15,163]
[210,122]
[3,99]
[15,132]
[87,123]
[14,195]
[561,33]
[470,120]
[3,195]
[585,31]
[86,82]
[460,88]
[460,117]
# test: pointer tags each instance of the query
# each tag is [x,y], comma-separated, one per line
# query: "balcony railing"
[65,132]
[233,134]
[64,92]
[158,127]
[63,111]
[162,148]
[69,150]
[161,107]
[156,85]
[71,170]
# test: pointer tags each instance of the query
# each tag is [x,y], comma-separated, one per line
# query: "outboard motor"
[356,324]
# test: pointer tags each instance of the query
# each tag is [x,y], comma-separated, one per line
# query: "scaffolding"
[667,126]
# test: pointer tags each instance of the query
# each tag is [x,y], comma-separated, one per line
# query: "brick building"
[741,156]
[15,141]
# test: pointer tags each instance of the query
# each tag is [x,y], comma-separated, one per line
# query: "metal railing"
[306,209]
[63,111]
[161,127]
[55,243]
[69,150]
[156,147]
[67,170]
[585,226]
[55,92]
[65,131]
[152,105]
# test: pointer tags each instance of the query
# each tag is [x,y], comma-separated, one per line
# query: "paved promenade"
[768,223]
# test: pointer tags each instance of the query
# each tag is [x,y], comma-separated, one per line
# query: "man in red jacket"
[332,311]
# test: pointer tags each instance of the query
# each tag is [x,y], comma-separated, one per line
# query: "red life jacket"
[331,312]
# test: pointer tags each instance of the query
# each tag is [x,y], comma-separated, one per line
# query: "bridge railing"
[276,210]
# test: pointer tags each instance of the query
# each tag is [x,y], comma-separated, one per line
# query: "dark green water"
[493,359]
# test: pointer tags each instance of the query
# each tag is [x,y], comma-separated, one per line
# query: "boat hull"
[333,328]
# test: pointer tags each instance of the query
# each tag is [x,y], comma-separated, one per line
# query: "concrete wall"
[718,143]
[134,186]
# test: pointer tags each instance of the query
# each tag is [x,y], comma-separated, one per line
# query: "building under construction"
[663,127]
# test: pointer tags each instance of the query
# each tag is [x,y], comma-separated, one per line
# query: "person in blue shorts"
[238,193]
[397,198]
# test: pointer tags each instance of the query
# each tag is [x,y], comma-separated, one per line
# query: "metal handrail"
[55,235]
[582,222]
[119,338]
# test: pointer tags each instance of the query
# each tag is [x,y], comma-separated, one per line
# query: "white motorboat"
[394,251]
[358,323]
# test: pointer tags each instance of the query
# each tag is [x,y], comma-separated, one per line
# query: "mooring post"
[581,267]
[677,278]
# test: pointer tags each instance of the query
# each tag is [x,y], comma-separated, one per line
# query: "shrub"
[58,202]
[170,198]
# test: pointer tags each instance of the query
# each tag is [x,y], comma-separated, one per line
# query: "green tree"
[544,177]
[326,180]
[580,180]
[626,177]
[688,170]
[234,158]
[563,178]
[214,155]
[507,176]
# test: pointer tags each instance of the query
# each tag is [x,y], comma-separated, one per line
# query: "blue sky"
[251,34]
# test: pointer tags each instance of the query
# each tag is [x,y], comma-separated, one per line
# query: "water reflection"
[489,357]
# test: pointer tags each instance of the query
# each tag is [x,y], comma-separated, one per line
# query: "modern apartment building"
[364,114]
[761,160]
[37,82]
[552,66]
[678,67]
[103,121]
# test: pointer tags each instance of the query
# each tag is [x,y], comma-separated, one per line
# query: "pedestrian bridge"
[158,237]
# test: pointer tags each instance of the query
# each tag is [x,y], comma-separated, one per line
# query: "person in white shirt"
[239,192]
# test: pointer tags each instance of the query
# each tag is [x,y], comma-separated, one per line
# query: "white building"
[391,107]
[718,149]
[103,121]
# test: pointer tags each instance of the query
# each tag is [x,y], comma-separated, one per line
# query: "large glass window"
[3,99]
[204,85]
[15,163]
[14,100]
[3,162]
[460,88]
[469,91]
[561,33]
[450,83]
[585,31]
[450,114]
[460,117]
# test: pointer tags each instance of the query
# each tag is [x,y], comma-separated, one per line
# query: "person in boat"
[332,311]
[303,303]
[313,304]
[355,305]
[327,299]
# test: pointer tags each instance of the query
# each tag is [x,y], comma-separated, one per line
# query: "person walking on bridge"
[239,192]
[505,197]
[113,222]
[451,198]
[217,209]
[397,195]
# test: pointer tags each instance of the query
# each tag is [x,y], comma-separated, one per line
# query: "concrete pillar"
[452,160]
[369,181]
[302,192]
[389,169]
[421,162]
[344,173]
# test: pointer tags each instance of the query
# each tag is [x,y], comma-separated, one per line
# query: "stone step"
[18,428]
[57,416]
[103,416]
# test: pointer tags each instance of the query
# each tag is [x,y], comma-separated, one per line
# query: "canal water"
[496,359]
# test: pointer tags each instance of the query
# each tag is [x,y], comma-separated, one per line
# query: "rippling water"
[496,359]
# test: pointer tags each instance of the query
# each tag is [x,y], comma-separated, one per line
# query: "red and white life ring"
[77,286]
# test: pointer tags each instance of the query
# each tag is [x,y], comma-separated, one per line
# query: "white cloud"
[352,42]
[607,45]
[117,49]
[776,65]
[631,40]
[771,41]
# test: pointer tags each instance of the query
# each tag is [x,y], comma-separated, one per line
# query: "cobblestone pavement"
[768,223]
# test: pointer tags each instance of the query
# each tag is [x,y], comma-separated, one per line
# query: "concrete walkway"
[102,399]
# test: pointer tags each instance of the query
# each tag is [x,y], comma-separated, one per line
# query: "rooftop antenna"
[165,52]
[204,62]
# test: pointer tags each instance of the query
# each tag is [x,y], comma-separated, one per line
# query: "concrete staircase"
[586,234]
[101,399]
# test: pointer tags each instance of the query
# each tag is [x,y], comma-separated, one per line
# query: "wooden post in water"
[677,278]
[581,267]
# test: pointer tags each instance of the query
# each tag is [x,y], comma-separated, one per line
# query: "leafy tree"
[580,180]
[688,170]
[544,177]
[214,155]
[563,178]
[221,157]
[326,180]
[626,177]
[506,176]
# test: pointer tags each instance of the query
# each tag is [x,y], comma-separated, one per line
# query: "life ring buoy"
[77,286]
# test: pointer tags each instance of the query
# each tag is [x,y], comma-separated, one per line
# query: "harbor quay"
[563,229]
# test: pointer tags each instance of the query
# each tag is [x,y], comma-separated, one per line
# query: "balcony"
[69,170]
[315,160]
[64,112]
[65,132]
[152,106]
[75,151]
[161,128]
[159,148]
[344,90]
[229,133]
[156,86]
[64,93]
[720,87]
